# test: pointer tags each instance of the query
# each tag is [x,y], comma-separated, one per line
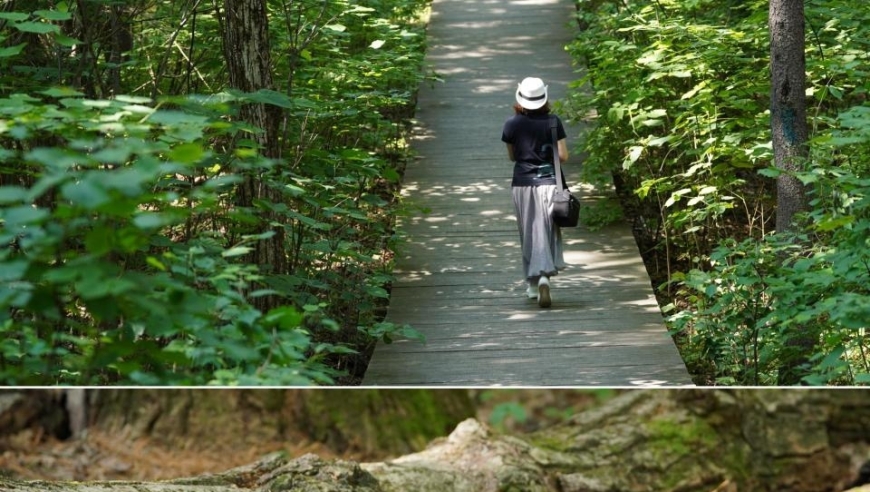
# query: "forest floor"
[101,455]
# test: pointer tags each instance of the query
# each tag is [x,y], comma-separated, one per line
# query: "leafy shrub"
[103,280]
[685,137]
[129,258]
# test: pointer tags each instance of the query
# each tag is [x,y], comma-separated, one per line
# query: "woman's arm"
[511,152]
[563,150]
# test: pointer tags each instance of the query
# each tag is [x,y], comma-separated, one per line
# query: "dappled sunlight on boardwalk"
[459,268]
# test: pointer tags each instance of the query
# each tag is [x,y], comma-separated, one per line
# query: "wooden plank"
[602,366]
[458,269]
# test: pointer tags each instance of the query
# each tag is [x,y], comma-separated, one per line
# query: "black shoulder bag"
[566,207]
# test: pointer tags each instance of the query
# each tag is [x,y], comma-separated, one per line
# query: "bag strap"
[560,185]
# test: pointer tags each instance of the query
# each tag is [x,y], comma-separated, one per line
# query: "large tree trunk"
[249,63]
[675,440]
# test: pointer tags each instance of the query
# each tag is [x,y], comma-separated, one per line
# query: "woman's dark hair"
[545,109]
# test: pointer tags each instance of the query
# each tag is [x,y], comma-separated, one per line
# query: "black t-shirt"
[533,148]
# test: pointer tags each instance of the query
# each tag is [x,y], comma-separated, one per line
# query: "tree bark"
[674,440]
[790,151]
[249,63]
[788,106]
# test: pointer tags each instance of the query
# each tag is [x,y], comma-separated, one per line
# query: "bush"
[685,136]
[129,257]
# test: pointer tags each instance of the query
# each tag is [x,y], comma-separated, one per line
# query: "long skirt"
[540,237]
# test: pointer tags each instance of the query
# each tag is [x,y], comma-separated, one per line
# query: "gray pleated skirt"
[540,237]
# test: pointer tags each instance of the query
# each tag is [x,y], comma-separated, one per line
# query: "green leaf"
[835,223]
[694,201]
[53,15]
[284,317]
[12,194]
[807,178]
[45,183]
[100,240]
[658,142]
[832,360]
[96,287]
[150,220]
[236,251]
[391,175]
[694,90]
[11,271]
[634,153]
[37,27]
[85,194]
[154,262]
[187,153]
[112,155]
[770,172]
[61,92]
[23,215]
[65,40]
[12,50]
[377,44]
[14,16]
[274,98]
[174,118]
[54,157]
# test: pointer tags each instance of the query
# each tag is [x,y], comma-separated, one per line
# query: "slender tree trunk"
[121,42]
[249,64]
[788,106]
[789,131]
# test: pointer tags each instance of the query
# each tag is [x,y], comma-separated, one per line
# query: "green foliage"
[526,410]
[103,279]
[686,124]
[508,410]
[758,293]
[127,258]
[685,136]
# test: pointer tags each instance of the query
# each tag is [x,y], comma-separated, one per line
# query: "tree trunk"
[788,106]
[673,440]
[249,64]
[790,152]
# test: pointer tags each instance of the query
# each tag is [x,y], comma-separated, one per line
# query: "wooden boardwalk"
[459,274]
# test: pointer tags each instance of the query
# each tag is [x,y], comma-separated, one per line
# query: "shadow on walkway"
[459,273]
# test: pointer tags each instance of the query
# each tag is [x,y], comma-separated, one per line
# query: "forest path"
[459,272]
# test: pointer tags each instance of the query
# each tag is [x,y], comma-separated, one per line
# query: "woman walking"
[530,146]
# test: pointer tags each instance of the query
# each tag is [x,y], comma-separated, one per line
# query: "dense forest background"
[204,192]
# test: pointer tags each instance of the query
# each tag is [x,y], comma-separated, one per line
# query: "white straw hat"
[532,93]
